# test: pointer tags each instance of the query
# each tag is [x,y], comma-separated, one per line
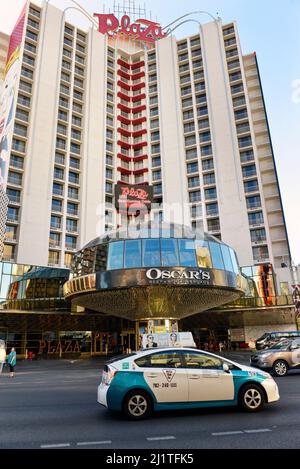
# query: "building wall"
[204,142]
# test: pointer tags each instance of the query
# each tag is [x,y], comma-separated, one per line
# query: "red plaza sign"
[142,29]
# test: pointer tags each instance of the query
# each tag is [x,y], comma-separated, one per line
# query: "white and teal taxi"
[181,378]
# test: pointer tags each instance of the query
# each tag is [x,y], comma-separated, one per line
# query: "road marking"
[238,432]
[58,445]
[260,430]
[82,443]
[155,438]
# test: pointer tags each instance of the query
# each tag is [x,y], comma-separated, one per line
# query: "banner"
[173,339]
[9,94]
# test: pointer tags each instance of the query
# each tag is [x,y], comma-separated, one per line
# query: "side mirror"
[294,347]
[226,368]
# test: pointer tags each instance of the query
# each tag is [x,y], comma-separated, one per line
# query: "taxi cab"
[181,378]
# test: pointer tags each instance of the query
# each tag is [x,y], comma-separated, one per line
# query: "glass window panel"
[187,252]
[7,268]
[169,252]
[234,261]
[226,257]
[115,256]
[247,271]
[5,283]
[151,253]
[200,361]
[217,260]
[203,254]
[132,253]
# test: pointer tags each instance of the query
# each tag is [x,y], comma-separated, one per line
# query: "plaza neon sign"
[142,29]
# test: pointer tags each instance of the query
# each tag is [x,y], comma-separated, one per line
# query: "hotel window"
[230,42]
[155,148]
[71,225]
[53,258]
[18,145]
[187,102]
[108,187]
[195,196]
[22,115]
[14,178]
[190,140]
[71,241]
[196,53]
[196,211]
[202,111]
[245,142]
[256,218]
[195,41]
[169,252]
[109,173]
[210,194]
[156,162]
[237,88]
[260,253]
[182,46]
[20,130]
[28,60]
[63,102]
[206,150]
[231,53]
[62,115]
[156,175]
[58,173]
[154,123]
[23,100]
[207,165]
[233,64]
[186,90]
[212,209]
[213,225]
[249,171]
[154,112]
[56,205]
[72,209]
[242,128]
[190,127]
[203,254]
[157,189]
[192,168]
[73,193]
[12,214]
[75,148]
[27,73]
[199,75]
[209,179]
[73,178]
[75,134]
[201,99]
[204,137]
[229,30]
[203,123]
[109,160]
[197,63]
[199,86]
[235,76]
[193,182]
[13,195]
[241,114]
[57,189]
[74,163]
[154,136]
[61,129]
[258,235]
[247,156]
[240,101]
[185,79]
[188,114]
[10,232]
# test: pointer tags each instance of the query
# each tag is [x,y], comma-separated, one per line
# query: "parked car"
[181,378]
[280,358]
[270,338]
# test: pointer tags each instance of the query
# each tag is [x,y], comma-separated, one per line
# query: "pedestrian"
[12,360]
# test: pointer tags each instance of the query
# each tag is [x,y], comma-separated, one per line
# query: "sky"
[268,27]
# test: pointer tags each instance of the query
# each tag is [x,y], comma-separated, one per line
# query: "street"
[52,404]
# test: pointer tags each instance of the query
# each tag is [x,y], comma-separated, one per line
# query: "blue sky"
[269,27]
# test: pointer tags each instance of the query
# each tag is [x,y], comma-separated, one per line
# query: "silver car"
[279,359]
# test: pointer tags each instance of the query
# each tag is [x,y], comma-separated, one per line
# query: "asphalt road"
[53,405]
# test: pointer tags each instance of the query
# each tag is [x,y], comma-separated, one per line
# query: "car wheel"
[251,398]
[137,405]
[280,368]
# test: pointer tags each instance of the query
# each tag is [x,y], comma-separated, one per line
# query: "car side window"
[161,360]
[201,361]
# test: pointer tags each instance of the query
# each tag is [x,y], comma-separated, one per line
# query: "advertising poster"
[9,94]
[173,339]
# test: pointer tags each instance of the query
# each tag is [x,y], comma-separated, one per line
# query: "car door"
[207,381]
[166,376]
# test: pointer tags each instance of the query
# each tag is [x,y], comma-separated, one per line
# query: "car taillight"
[109,376]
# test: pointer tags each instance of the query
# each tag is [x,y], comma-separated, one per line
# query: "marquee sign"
[142,29]
[133,198]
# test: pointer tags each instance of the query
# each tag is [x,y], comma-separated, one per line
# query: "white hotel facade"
[186,116]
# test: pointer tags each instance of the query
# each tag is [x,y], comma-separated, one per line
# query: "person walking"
[12,360]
